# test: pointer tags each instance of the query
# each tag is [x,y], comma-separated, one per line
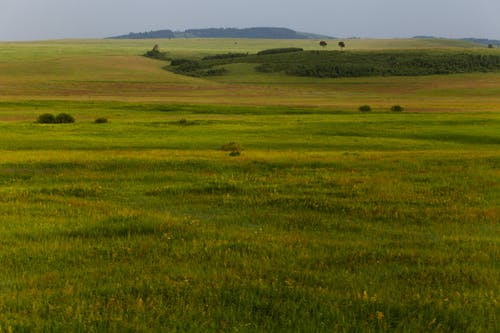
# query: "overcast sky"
[55,19]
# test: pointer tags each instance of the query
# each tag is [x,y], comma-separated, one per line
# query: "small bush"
[397,108]
[365,108]
[46,118]
[185,122]
[64,118]
[156,54]
[101,120]
[231,146]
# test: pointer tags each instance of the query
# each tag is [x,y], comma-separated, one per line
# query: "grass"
[13,51]
[328,220]
[115,71]
[357,222]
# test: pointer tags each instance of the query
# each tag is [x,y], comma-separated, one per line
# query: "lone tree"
[155,53]
[323,43]
[341,45]
[490,46]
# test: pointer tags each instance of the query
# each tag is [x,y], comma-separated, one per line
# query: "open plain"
[246,202]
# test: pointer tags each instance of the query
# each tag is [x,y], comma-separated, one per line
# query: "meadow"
[328,220]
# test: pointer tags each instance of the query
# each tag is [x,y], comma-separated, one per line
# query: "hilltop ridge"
[257,32]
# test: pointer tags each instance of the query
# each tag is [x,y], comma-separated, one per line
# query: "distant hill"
[147,35]
[425,37]
[482,41]
[270,33]
[259,32]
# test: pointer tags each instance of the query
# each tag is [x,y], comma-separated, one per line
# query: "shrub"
[188,67]
[46,118]
[156,54]
[281,50]
[177,62]
[101,120]
[359,64]
[365,108]
[225,56]
[185,122]
[397,108]
[231,146]
[214,72]
[194,68]
[64,118]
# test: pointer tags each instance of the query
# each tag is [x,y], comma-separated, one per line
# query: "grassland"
[111,70]
[329,220]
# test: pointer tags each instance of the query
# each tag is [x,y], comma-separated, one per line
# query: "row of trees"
[324,44]
[357,64]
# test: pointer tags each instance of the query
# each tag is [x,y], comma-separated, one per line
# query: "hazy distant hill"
[260,32]
[147,35]
[483,41]
[271,33]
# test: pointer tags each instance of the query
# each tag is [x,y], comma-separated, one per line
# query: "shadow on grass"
[116,226]
[133,226]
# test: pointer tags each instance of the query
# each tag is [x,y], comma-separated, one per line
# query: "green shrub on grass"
[64,118]
[46,118]
[101,120]
[365,108]
[61,118]
[397,108]
[185,122]
[225,56]
[231,146]
[281,50]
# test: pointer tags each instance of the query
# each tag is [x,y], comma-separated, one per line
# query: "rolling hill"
[258,32]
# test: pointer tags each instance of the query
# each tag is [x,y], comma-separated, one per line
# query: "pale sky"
[57,19]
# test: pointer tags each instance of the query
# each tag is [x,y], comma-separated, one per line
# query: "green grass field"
[329,220]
